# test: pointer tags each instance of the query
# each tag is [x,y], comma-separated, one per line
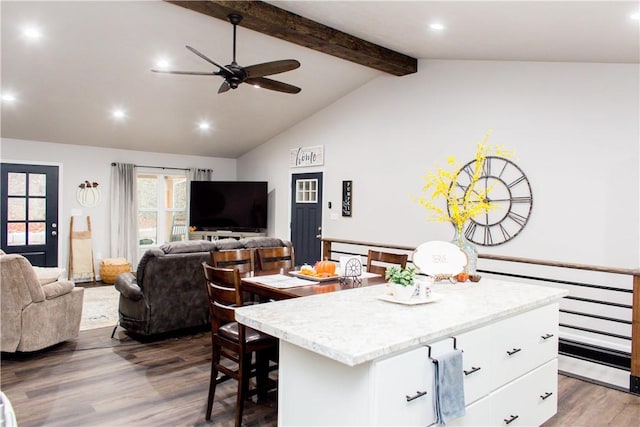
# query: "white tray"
[412,300]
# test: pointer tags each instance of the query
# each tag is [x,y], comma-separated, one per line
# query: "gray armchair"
[35,316]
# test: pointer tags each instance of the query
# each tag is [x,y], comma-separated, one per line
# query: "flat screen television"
[228,205]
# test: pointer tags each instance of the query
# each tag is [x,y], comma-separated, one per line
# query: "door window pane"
[147,226]
[37,234]
[37,209]
[307,191]
[16,209]
[37,184]
[17,184]
[16,234]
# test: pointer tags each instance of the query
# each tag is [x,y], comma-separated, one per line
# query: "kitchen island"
[350,358]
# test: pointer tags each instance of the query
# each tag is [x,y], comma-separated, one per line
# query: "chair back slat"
[276,258]
[223,290]
[377,262]
[242,259]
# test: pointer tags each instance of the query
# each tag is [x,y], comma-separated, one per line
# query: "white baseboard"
[617,378]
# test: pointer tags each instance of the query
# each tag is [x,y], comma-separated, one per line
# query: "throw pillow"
[48,274]
[188,246]
[262,242]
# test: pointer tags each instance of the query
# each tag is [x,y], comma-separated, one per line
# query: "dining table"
[285,284]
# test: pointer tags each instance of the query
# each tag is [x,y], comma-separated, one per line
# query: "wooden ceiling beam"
[273,21]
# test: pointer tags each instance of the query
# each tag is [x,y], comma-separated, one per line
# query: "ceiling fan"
[235,74]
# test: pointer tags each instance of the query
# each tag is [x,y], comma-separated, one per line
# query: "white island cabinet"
[349,358]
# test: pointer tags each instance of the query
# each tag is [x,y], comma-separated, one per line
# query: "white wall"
[574,127]
[79,163]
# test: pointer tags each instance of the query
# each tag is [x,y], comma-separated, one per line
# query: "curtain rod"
[161,167]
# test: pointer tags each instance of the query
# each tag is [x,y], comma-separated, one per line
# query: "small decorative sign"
[436,257]
[307,156]
[347,192]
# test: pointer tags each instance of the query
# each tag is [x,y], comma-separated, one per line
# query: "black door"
[306,217]
[29,212]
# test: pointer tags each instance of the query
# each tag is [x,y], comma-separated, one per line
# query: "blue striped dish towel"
[449,387]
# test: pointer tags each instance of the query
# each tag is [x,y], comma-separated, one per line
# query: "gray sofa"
[167,293]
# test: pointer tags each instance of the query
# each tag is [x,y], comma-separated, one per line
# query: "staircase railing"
[625,300]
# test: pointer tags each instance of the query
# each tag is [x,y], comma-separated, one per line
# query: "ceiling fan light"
[162,63]
[32,33]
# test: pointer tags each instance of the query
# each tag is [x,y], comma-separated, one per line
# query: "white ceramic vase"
[401,292]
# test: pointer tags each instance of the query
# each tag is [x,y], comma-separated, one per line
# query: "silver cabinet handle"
[547,336]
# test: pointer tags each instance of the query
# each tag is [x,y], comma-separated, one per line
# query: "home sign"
[307,156]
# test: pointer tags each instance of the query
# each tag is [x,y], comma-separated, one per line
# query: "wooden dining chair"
[276,258]
[377,262]
[234,341]
[242,259]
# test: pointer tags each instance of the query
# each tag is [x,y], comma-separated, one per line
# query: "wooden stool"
[111,267]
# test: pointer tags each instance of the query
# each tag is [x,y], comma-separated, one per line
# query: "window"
[26,209]
[307,191]
[162,208]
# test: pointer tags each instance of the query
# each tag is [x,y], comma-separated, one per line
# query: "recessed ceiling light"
[162,63]
[31,32]
[436,26]
[8,97]
[204,125]
[118,113]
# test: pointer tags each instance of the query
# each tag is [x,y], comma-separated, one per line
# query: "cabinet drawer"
[530,400]
[477,414]
[523,342]
[403,393]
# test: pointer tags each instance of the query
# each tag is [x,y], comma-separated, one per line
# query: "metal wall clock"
[510,190]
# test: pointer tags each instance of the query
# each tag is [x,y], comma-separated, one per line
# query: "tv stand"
[223,234]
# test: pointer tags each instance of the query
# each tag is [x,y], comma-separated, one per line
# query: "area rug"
[100,307]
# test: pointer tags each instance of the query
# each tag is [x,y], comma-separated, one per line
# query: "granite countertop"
[354,326]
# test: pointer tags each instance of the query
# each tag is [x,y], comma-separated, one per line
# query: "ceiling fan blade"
[266,83]
[194,73]
[224,87]
[269,68]
[222,67]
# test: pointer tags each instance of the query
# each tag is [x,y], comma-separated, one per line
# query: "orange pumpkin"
[325,266]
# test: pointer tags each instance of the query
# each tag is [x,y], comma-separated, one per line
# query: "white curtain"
[124,228]
[200,175]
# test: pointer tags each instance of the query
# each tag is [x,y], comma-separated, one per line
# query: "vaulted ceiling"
[93,57]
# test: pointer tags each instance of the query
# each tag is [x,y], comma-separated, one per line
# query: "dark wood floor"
[98,381]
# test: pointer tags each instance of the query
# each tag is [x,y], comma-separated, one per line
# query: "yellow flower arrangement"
[463,201]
